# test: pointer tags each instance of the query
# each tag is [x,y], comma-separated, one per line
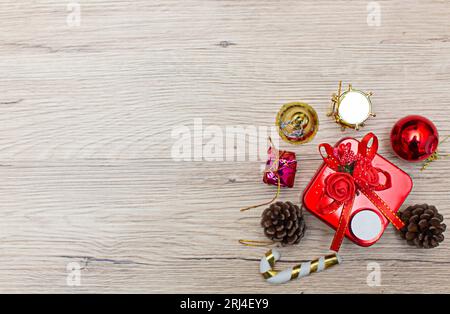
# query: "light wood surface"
[86,115]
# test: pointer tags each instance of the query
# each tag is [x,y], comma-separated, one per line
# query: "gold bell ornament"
[297,123]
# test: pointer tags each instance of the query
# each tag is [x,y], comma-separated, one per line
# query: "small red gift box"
[356,191]
[281,165]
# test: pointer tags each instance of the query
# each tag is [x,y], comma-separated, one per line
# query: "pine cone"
[424,226]
[283,222]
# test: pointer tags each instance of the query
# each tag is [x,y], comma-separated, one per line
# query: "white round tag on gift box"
[366,225]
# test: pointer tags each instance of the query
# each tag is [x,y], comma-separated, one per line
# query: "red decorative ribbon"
[354,172]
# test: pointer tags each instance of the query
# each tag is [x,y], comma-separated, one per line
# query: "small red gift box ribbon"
[354,172]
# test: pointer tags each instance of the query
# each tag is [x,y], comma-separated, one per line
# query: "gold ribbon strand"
[273,168]
[255,243]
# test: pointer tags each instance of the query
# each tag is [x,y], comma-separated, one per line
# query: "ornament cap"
[435,156]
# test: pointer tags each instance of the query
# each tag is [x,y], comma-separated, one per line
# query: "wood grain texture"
[86,115]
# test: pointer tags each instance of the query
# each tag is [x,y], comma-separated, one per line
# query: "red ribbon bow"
[354,172]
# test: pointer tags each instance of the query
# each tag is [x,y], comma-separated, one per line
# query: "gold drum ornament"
[351,108]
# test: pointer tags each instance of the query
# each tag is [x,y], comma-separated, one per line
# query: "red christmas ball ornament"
[414,138]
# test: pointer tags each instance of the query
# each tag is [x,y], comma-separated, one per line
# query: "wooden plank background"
[86,115]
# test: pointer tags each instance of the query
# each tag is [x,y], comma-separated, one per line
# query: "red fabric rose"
[340,186]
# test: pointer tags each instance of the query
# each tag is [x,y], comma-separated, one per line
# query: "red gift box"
[280,168]
[356,191]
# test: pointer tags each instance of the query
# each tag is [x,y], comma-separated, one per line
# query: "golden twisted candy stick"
[304,269]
